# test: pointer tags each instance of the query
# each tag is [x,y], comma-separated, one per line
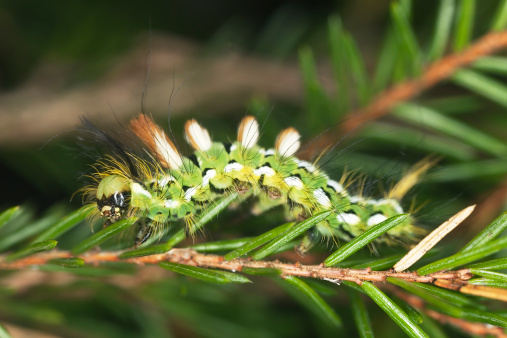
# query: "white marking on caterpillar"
[209,175]
[287,142]
[350,219]
[233,147]
[295,182]
[268,171]
[307,165]
[322,198]
[355,199]
[392,203]
[197,136]
[190,192]
[138,189]
[336,187]
[248,132]
[171,204]
[375,219]
[233,167]
[269,152]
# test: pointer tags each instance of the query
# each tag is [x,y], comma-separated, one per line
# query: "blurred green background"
[215,61]
[60,61]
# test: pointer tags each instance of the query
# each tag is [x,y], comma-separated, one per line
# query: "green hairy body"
[169,189]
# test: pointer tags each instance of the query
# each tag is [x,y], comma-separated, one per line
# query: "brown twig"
[453,280]
[480,329]
[436,72]
[191,257]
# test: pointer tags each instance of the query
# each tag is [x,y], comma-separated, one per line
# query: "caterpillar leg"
[308,242]
[107,223]
[146,229]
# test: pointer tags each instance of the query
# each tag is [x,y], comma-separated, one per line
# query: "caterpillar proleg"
[166,186]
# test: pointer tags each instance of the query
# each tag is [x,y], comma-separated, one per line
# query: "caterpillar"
[165,186]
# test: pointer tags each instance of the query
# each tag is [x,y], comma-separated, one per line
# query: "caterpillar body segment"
[169,187]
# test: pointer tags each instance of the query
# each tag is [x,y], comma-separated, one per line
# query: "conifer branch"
[453,280]
[434,73]
[193,258]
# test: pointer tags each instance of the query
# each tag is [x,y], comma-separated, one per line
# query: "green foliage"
[103,235]
[393,310]
[258,241]
[6,215]
[293,232]
[488,234]
[206,275]
[32,249]
[462,258]
[434,297]
[466,128]
[315,302]
[360,313]
[71,220]
[363,240]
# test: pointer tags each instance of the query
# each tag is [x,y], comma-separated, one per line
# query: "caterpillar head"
[112,194]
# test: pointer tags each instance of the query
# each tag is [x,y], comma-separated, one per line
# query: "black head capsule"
[112,194]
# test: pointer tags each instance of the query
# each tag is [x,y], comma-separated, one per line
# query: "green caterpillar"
[168,186]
